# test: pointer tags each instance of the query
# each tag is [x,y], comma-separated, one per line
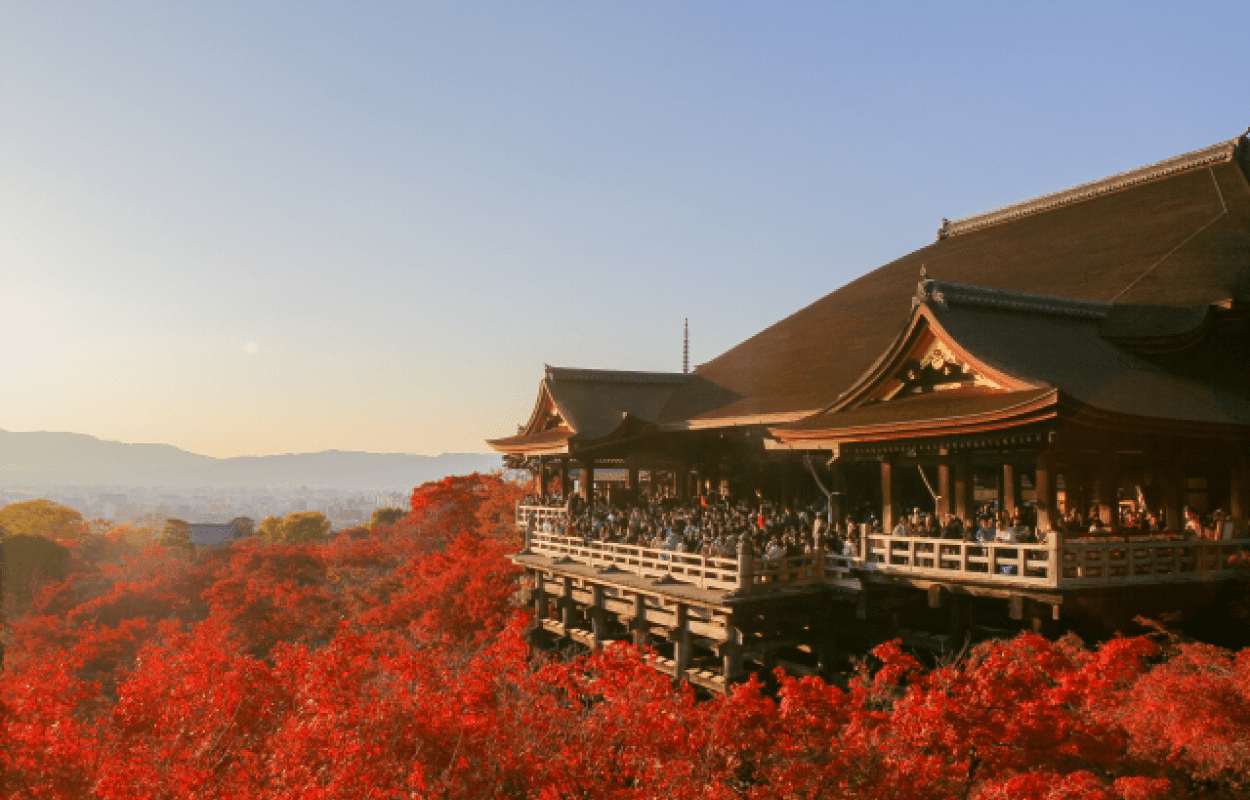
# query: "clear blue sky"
[251,228]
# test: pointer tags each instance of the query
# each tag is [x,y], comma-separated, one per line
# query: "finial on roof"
[924,272]
[685,346]
[945,230]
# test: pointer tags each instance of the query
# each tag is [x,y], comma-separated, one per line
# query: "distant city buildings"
[210,506]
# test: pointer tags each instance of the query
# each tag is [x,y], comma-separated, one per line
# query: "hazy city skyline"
[246,230]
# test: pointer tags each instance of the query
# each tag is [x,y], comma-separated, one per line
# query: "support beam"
[542,478]
[640,625]
[1015,607]
[943,488]
[567,604]
[731,655]
[681,641]
[1173,494]
[1007,496]
[963,489]
[1107,484]
[540,598]
[837,485]
[1043,483]
[1239,488]
[588,482]
[890,505]
[598,617]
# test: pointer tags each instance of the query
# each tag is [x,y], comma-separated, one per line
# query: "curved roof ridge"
[615,375]
[1215,154]
[948,293]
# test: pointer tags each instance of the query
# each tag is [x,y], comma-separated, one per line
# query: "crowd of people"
[707,526]
[717,527]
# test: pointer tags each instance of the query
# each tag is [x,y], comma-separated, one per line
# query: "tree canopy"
[299,527]
[42,517]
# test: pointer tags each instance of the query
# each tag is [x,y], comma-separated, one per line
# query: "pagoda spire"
[685,346]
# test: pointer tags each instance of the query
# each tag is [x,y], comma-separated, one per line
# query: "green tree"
[176,535]
[244,527]
[271,530]
[42,517]
[387,516]
[295,528]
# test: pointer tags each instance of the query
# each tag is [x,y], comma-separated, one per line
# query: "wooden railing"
[1146,561]
[1054,565]
[541,515]
[703,572]
[953,559]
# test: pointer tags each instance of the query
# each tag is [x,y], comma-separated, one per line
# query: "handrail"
[1056,564]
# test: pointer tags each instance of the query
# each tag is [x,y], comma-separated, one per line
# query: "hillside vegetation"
[390,661]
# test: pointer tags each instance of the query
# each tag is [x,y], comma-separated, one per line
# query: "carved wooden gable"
[923,361]
[546,416]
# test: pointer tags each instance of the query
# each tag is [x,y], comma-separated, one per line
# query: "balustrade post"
[1054,554]
[865,530]
[529,535]
[746,566]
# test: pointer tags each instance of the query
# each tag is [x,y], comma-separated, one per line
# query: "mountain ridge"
[65,458]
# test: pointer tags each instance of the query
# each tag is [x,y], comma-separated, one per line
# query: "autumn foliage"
[391,662]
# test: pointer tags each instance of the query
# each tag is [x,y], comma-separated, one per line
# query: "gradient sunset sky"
[255,228]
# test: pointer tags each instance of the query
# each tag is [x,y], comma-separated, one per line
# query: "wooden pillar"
[1239,487]
[731,654]
[943,488]
[632,479]
[564,478]
[681,641]
[598,617]
[566,606]
[540,598]
[959,619]
[640,620]
[542,479]
[1173,497]
[837,485]
[1007,496]
[890,505]
[965,504]
[588,482]
[1043,483]
[1107,484]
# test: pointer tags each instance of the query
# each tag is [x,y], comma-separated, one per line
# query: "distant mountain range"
[41,458]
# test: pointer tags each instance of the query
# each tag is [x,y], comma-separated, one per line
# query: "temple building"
[1080,350]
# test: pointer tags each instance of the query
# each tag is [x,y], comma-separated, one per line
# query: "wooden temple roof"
[593,405]
[975,359]
[1156,257]
[1176,234]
